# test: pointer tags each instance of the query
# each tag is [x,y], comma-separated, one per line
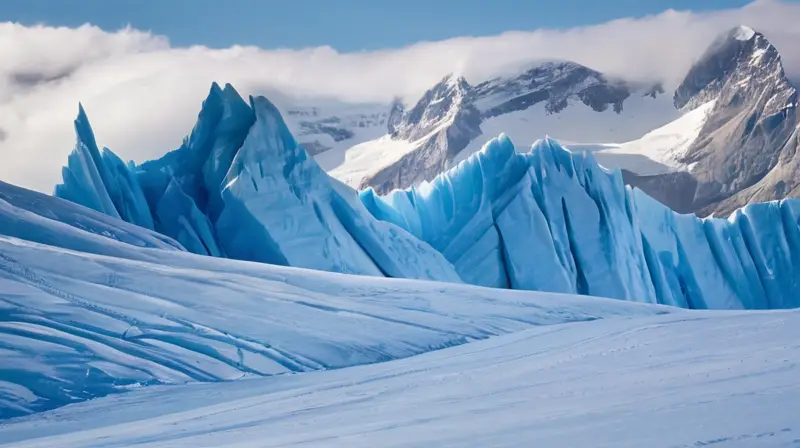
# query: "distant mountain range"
[727,136]
[454,119]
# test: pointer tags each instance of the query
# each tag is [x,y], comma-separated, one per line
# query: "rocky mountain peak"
[554,83]
[439,105]
[738,53]
[748,131]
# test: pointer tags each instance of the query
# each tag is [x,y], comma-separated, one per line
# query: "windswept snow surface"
[690,379]
[75,326]
[743,32]
[49,220]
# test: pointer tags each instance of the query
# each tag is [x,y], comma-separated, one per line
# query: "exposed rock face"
[747,148]
[782,181]
[554,83]
[708,75]
[442,123]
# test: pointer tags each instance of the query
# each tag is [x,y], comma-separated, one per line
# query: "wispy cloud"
[143,95]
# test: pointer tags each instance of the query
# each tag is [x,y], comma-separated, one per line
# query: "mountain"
[747,148]
[737,141]
[241,187]
[726,137]
[454,118]
[330,126]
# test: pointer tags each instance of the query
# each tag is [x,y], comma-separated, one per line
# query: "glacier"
[549,220]
[114,335]
[104,323]
[241,187]
[210,265]
[553,220]
[44,219]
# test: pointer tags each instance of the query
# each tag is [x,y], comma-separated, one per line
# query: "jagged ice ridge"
[241,187]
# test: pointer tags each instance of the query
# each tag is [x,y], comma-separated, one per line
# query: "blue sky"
[346,25]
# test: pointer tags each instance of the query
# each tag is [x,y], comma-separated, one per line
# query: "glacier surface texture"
[548,220]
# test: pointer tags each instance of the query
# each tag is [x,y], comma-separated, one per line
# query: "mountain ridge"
[750,131]
[459,111]
[734,147]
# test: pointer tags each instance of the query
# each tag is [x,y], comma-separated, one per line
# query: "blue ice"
[241,186]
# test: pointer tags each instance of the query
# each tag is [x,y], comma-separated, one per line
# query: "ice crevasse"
[241,187]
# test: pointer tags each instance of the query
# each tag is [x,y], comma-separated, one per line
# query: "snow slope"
[326,126]
[689,379]
[659,151]
[49,220]
[351,165]
[577,123]
[75,326]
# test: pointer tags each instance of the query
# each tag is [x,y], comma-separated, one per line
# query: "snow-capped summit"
[555,83]
[736,140]
[750,131]
[442,123]
[743,32]
[740,52]
[440,106]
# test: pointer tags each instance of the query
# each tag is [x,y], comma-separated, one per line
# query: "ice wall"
[552,220]
[241,187]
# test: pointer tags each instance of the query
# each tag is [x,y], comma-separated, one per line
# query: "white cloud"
[143,96]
